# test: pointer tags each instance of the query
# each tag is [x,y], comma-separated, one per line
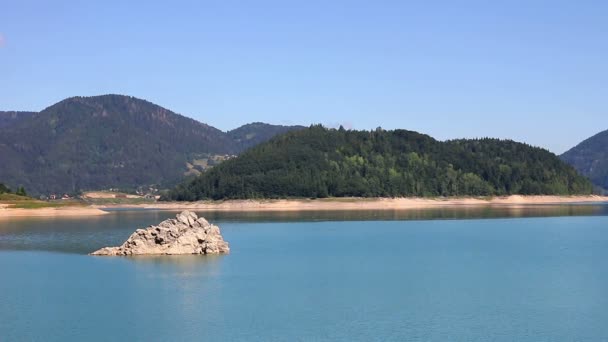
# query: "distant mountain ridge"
[590,158]
[117,141]
[255,133]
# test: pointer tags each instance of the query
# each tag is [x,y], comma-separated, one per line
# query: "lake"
[469,274]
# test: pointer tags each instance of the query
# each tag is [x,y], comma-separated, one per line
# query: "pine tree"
[21,191]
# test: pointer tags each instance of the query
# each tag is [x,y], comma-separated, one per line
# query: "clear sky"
[533,71]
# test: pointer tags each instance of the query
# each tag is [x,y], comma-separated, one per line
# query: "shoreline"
[7,212]
[327,204]
[356,203]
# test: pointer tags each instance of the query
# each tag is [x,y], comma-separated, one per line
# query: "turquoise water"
[317,277]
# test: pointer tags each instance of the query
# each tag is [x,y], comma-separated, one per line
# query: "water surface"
[487,276]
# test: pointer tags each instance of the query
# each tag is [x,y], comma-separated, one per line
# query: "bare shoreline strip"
[310,205]
[368,203]
[6,212]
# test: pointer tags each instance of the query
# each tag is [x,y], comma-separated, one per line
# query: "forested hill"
[590,158]
[321,162]
[10,118]
[254,133]
[109,141]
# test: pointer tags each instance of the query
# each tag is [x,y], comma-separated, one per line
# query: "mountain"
[321,162]
[255,133]
[107,141]
[9,118]
[590,158]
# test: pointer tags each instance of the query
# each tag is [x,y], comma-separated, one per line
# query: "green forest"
[319,162]
[111,141]
[6,190]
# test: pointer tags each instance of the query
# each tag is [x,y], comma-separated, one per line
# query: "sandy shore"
[105,194]
[309,205]
[6,212]
[367,203]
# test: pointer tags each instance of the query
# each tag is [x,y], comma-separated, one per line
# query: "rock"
[186,234]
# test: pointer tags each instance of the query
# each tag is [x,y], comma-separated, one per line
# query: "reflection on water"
[84,235]
[176,267]
[184,262]
[460,212]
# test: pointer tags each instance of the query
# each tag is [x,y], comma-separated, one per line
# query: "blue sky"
[533,71]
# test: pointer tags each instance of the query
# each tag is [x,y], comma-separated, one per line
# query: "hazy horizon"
[531,72]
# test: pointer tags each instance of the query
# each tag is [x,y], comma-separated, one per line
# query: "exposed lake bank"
[7,212]
[327,204]
[370,203]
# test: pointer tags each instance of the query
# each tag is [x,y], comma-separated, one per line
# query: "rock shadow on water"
[176,260]
[176,267]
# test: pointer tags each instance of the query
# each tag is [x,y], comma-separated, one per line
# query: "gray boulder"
[186,234]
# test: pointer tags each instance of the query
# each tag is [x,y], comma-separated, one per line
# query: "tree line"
[6,190]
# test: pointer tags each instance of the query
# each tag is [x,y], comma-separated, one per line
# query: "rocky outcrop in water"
[186,234]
